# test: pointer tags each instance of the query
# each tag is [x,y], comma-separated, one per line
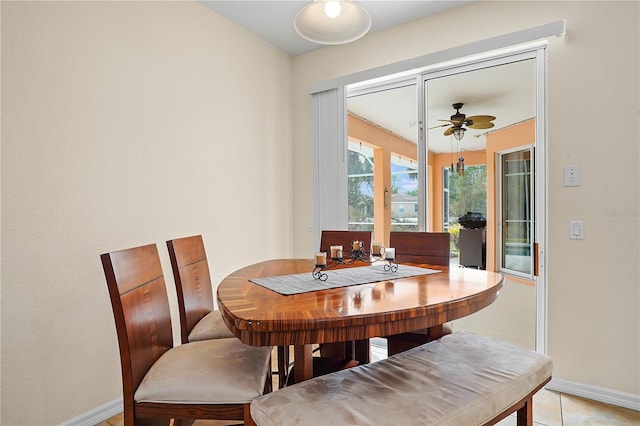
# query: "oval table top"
[261,317]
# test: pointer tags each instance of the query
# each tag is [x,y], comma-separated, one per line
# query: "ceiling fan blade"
[476,118]
[481,125]
[448,131]
[437,127]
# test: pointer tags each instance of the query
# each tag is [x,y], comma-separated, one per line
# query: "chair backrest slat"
[193,281]
[344,239]
[140,308]
[421,247]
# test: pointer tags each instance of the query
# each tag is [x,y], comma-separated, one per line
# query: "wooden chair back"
[193,281]
[421,247]
[141,311]
[344,239]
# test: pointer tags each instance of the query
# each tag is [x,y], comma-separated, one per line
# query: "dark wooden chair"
[431,248]
[198,319]
[421,247]
[344,239]
[214,379]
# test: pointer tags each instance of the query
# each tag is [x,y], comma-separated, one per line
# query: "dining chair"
[213,379]
[421,247]
[330,238]
[432,248]
[198,319]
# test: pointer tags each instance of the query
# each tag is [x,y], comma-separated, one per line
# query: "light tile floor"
[549,409]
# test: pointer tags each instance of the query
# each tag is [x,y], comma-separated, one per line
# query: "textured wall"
[125,123]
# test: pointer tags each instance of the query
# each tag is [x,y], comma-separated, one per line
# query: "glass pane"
[360,187]
[404,194]
[468,192]
[383,163]
[516,212]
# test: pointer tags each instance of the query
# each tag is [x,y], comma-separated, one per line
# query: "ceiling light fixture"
[458,133]
[332,22]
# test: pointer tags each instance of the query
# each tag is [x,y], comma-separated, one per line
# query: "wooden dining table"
[261,317]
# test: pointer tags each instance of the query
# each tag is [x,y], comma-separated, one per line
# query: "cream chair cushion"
[460,379]
[219,371]
[211,326]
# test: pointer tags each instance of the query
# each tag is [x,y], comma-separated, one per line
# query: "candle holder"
[356,254]
[319,274]
[391,265]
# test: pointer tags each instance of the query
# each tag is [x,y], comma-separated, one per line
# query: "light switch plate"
[576,230]
[571,175]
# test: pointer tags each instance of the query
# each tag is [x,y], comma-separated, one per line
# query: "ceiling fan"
[458,120]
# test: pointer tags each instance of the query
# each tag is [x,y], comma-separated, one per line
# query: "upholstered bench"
[461,379]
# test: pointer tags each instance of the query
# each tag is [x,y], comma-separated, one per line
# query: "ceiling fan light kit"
[332,22]
[457,120]
[458,133]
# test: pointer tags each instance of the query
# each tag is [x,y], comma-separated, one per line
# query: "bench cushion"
[460,379]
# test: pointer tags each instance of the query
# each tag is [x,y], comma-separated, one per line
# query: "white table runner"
[303,283]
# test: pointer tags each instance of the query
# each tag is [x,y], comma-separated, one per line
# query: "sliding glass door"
[354,174]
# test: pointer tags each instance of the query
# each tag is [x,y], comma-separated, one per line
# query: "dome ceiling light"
[332,22]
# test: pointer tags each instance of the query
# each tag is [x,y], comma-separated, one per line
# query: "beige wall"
[125,123]
[593,291]
[110,109]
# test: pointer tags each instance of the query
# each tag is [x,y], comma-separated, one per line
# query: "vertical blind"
[330,165]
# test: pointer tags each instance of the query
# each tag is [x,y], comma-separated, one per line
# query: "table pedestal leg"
[362,351]
[436,332]
[401,342]
[303,358]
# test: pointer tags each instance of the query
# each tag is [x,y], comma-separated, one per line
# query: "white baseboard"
[596,393]
[97,415]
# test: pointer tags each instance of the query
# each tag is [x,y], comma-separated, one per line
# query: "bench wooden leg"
[525,414]
[522,408]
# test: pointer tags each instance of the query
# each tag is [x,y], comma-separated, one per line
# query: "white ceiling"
[506,92]
[272,21]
